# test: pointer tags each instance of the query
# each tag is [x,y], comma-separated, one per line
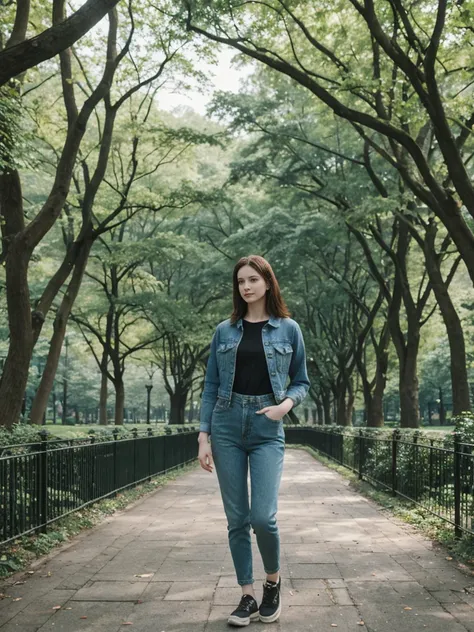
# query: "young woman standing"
[245,398]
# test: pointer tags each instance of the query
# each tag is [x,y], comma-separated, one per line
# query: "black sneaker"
[245,612]
[270,608]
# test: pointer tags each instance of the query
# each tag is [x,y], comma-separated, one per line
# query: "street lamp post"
[148,399]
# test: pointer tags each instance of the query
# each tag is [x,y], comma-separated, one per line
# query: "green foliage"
[464,426]
[11,132]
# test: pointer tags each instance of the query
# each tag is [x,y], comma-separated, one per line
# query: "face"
[252,286]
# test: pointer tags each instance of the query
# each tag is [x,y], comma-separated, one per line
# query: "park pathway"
[163,566]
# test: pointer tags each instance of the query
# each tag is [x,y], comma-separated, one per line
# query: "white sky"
[222,76]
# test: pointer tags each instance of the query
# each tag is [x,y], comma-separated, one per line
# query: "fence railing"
[438,477]
[42,482]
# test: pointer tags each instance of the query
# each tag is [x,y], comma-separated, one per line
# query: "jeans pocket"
[220,405]
[273,421]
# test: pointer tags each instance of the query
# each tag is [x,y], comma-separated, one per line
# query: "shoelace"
[270,594]
[245,603]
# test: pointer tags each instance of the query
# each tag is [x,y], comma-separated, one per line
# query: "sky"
[223,76]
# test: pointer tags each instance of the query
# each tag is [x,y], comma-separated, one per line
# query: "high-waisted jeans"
[240,438]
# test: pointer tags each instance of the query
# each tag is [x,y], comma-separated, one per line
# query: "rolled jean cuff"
[245,582]
[272,572]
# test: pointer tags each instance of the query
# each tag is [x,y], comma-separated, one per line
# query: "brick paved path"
[343,562]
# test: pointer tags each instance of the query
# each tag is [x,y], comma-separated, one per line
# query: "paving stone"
[319,618]
[385,617]
[463,613]
[191,591]
[307,592]
[170,616]
[101,616]
[110,591]
[314,571]
[35,611]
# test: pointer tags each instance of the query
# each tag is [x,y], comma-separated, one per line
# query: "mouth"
[248,294]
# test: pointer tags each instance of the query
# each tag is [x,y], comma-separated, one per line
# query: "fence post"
[395,438]
[415,468]
[150,434]
[93,487]
[115,432]
[135,435]
[43,487]
[457,485]
[361,454]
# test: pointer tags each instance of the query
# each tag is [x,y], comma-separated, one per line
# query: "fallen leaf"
[19,583]
[68,608]
[449,558]
[30,572]
[127,623]
[56,607]
[360,623]
[82,617]
[333,625]
[291,592]
[407,608]
[17,599]
[145,575]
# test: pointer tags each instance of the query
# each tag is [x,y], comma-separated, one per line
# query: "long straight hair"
[275,304]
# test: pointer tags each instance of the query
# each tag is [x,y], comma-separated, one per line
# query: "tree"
[20,53]
[398,79]
[21,239]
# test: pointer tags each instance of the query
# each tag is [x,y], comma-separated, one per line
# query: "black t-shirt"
[251,370]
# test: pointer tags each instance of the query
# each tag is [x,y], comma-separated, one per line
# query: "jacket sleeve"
[211,386]
[299,382]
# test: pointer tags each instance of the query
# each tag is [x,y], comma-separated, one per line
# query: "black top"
[251,370]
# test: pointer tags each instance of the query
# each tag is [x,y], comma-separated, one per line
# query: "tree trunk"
[452,322]
[408,384]
[326,402]
[341,413]
[177,406]
[320,413]
[350,405]
[60,324]
[103,400]
[119,401]
[15,372]
[375,416]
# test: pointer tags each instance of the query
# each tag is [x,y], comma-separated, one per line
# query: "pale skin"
[252,288]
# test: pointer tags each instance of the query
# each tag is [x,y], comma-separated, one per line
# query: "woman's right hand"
[205,455]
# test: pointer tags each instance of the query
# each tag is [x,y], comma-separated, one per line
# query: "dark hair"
[275,304]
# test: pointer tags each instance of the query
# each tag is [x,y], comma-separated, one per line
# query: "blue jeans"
[241,438]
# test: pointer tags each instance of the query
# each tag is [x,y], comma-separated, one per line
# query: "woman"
[244,401]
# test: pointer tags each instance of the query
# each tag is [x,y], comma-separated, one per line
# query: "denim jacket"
[285,354]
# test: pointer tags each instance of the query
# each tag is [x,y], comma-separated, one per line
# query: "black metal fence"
[42,482]
[435,475]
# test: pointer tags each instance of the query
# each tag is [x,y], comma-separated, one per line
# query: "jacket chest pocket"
[283,355]
[225,356]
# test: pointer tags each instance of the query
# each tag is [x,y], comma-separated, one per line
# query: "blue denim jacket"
[285,354]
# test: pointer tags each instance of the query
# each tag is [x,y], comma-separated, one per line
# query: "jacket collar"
[274,321]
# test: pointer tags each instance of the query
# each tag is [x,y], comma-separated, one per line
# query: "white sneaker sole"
[273,617]
[239,622]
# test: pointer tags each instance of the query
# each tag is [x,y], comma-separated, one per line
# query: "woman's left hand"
[276,413]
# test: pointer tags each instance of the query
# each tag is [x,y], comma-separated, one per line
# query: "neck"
[257,312]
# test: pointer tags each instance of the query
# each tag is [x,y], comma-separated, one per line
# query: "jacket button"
[273,373]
